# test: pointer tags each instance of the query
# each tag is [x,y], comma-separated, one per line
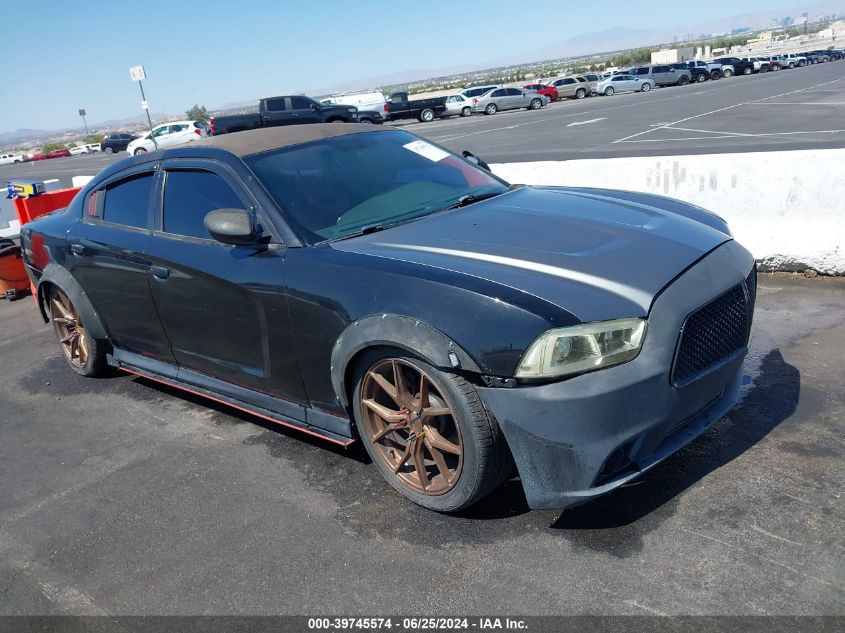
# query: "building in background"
[672,55]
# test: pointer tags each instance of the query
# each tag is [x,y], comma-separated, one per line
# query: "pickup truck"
[713,68]
[699,74]
[285,110]
[424,110]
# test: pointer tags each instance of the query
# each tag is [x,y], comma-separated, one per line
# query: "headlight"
[582,348]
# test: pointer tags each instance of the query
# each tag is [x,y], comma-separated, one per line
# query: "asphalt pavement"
[120,496]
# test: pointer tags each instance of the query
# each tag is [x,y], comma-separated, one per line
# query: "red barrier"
[30,208]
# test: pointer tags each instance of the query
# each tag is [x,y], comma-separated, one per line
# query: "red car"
[543,89]
[56,153]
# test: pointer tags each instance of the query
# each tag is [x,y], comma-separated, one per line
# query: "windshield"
[337,187]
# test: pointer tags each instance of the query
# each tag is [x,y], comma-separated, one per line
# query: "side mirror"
[314,106]
[231,226]
[475,160]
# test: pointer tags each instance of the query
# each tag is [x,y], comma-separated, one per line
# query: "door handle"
[77,249]
[159,272]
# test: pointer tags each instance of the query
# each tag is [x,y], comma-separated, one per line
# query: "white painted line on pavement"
[586,122]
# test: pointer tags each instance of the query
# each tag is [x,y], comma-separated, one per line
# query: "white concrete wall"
[787,208]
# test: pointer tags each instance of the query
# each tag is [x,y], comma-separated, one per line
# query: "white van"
[365,101]
[8,159]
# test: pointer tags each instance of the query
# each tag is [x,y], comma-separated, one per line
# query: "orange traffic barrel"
[13,277]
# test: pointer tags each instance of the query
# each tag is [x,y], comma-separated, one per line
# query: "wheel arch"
[393,331]
[60,277]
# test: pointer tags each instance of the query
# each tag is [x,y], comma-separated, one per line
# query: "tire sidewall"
[491,108]
[93,364]
[536,104]
[645,88]
[469,479]
[608,92]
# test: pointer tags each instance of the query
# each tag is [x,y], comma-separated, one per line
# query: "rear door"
[276,112]
[223,307]
[107,259]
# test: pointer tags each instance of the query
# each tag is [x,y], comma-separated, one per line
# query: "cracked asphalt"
[120,496]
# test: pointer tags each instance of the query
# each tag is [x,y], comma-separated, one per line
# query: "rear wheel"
[490,109]
[791,64]
[466,111]
[747,70]
[608,92]
[535,104]
[428,432]
[715,74]
[109,150]
[580,93]
[427,115]
[727,72]
[85,354]
[701,78]
[645,87]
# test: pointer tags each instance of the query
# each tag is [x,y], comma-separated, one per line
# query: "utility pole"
[84,122]
[138,74]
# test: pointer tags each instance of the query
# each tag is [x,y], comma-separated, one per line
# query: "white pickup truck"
[8,159]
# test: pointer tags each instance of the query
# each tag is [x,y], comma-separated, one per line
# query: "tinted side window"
[498,93]
[514,92]
[127,201]
[275,105]
[298,103]
[189,196]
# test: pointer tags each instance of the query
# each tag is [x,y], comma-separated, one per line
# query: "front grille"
[715,331]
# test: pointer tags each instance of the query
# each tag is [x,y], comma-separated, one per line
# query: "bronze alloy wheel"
[411,426]
[69,329]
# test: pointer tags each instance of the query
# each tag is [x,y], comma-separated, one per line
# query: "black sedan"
[360,283]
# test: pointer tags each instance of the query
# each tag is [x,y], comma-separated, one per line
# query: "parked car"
[543,89]
[301,274]
[37,156]
[458,105]
[79,149]
[740,67]
[816,58]
[760,65]
[167,134]
[372,101]
[424,110]
[58,153]
[663,74]
[9,159]
[697,74]
[773,61]
[713,68]
[284,110]
[508,99]
[115,142]
[476,91]
[592,81]
[571,87]
[371,117]
[791,60]
[624,83]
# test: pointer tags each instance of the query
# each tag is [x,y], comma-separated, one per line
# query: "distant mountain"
[20,135]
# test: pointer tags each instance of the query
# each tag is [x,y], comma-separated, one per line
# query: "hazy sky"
[77,53]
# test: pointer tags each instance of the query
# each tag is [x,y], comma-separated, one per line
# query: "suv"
[663,75]
[741,67]
[698,74]
[791,60]
[572,87]
[713,68]
[116,142]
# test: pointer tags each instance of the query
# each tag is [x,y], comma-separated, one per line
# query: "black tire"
[727,73]
[791,65]
[16,161]
[139,151]
[764,69]
[802,64]
[748,70]
[427,115]
[608,92]
[683,81]
[535,104]
[715,74]
[645,87]
[467,111]
[580,93]
[486,460]
[95,362]
[109,150]
[365,121]
[701,78]
[491,108]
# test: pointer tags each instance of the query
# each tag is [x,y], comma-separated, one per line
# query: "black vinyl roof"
[270,138]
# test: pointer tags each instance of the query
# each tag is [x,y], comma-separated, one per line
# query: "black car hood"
[596,253]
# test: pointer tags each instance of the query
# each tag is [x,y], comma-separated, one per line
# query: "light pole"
[137,74]
[84,122]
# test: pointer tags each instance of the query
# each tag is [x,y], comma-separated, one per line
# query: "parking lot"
[123,496]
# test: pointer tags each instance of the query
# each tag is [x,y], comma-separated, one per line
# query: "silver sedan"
[508,99]
[623,83]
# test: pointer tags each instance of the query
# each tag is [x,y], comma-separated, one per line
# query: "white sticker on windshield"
[426,150]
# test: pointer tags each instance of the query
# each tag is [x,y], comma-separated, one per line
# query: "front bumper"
[582,437]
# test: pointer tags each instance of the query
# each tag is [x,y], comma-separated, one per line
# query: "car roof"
[267,139]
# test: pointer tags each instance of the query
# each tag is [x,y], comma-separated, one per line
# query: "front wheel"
[645,88]
[140,151]
[580,93]
[85,354]
[701,78]
[715,74]
[727,73]
[427,115]
[747,70]
[608,92]
[791,64]
[683,81]
[467,111]
[536,104]
[109,150]
[490,109]
[428,432]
